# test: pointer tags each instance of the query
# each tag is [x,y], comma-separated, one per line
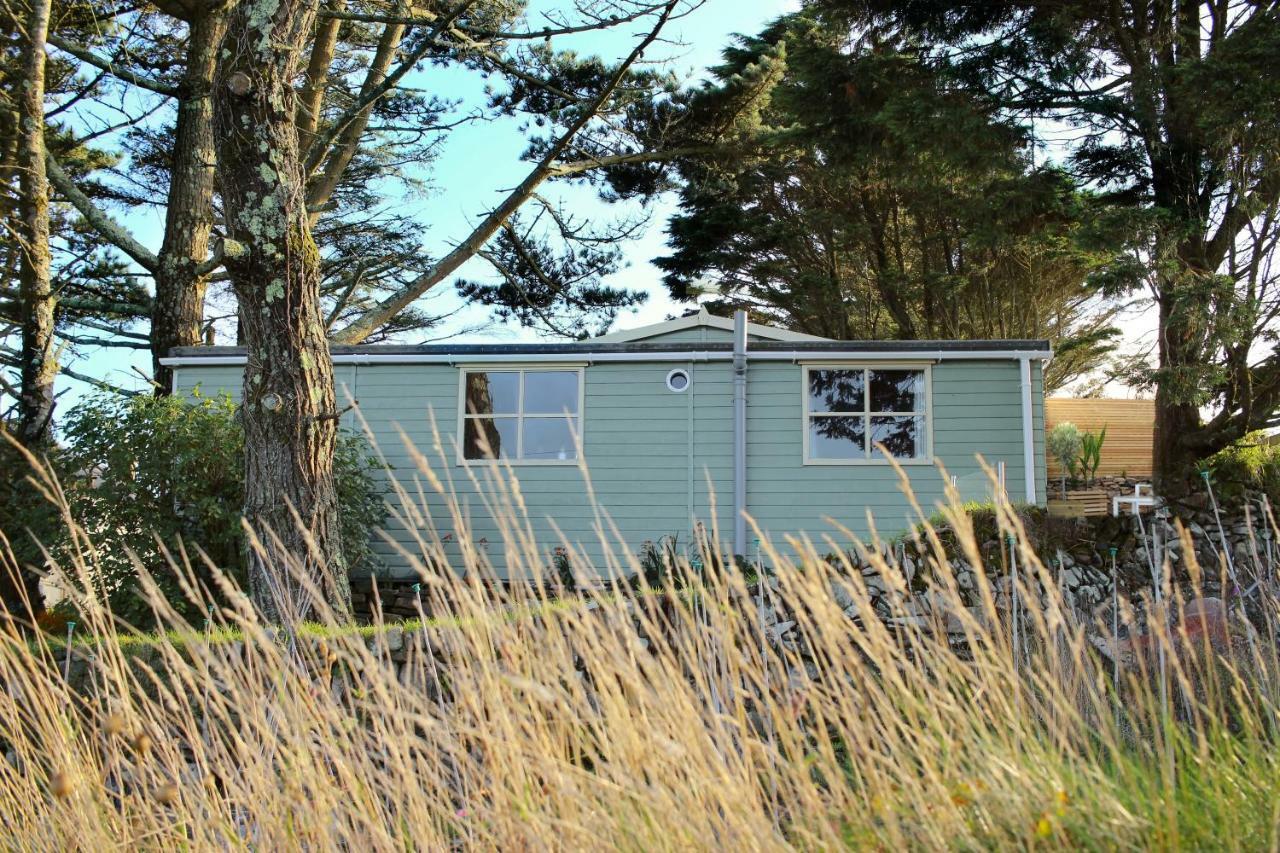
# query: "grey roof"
[586,347]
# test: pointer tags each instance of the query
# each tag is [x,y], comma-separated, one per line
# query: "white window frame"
[519,414]
[927,412]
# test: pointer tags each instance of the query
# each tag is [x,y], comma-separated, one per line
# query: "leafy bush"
[1251,466]
[143,468]
[26,520]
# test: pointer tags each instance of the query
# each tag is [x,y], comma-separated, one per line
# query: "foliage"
[563,568]
[1090,454]
[1245,469]
[146,474]
[1064,444]
[86,275]
[27,519]
[870,200]
[657,563]
[1168,110]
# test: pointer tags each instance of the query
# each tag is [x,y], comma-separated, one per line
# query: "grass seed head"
[61,784]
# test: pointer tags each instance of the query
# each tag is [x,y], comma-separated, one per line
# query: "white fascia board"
[808,357]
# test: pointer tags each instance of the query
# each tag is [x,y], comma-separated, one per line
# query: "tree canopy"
[1169,110]
[875,201]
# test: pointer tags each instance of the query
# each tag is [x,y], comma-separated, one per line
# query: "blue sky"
[480,161]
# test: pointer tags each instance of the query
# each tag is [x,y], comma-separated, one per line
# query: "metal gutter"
[470,357]
[739,433]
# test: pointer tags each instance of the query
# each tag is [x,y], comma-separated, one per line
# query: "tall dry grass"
[664,719]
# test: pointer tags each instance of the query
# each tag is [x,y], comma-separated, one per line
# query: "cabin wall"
[659,461]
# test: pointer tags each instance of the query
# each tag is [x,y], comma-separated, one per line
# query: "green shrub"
[1064,444]
[1248,467]
[26,520]
[143,468]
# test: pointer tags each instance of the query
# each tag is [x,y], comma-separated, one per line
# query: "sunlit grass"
[660,719]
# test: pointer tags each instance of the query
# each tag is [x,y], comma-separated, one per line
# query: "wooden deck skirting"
[1130,430]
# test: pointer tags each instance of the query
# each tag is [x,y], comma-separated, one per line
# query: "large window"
[851,410]
[521,415]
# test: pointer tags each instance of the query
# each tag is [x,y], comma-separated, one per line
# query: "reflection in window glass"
[851,410]
[493,392]
[903,437]
[489,438]
[836,390]
[521,414]
[550,392]
[896,390]
[837,437]
[548,438]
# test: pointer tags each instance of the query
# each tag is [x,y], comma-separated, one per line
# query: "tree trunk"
[178,312]
[1176,444]
[348,141]
[288,402]
[311,98]
[39,363]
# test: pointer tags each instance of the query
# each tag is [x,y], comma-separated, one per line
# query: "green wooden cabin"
[649,414]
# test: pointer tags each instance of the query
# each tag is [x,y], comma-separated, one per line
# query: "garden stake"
[1115,633]
[426,643]
[66,660]
[1014,598]
[1222,535]
[1159,607]
[766,595]
[1266,537]
[208,644]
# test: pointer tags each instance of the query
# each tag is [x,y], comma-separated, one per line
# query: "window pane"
[836,390]
[549,438]
[902,437]
[490,393]
[489,438]
[897,390]
[551,392]
[837,438]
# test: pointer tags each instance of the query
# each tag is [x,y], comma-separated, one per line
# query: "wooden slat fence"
[1130,427]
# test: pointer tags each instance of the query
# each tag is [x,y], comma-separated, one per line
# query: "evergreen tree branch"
[85,55]
[370,320]
[106,227]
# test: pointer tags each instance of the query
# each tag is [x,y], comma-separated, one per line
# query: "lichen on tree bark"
[289,399]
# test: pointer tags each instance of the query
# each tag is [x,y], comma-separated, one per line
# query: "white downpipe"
[1028,430]
[740,433]
[812,356]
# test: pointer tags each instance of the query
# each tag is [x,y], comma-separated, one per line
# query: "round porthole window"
[678,380]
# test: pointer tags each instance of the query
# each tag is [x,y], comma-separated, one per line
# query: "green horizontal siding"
[659,461]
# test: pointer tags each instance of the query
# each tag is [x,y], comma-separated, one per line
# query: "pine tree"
[1173,108]
[869,201]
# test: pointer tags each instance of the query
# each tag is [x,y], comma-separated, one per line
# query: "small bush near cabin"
[144,470]
[26,518]
[1064,445]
